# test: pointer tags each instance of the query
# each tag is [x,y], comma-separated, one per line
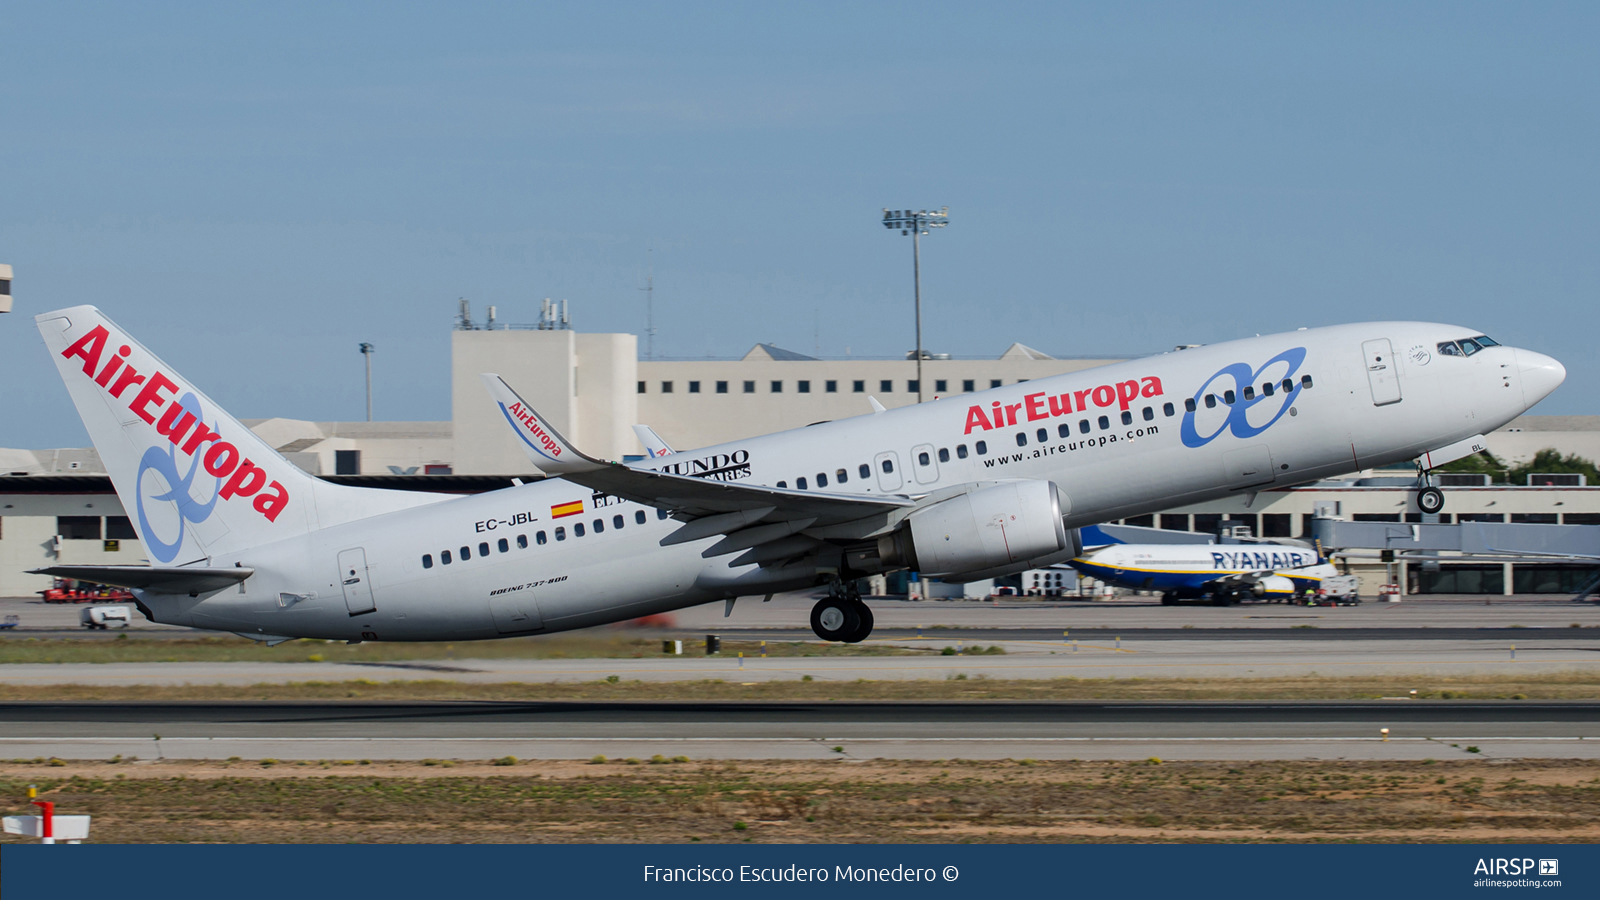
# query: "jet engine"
[989,528]
[1272,584]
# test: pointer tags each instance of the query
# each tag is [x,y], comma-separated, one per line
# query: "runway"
[805,730]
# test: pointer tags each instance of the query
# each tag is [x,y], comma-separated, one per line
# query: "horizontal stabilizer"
[155,579]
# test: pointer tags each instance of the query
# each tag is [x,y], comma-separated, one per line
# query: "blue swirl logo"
[1237,377]
[179,490]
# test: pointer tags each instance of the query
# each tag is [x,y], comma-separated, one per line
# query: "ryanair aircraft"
[1225,572]
[963,488]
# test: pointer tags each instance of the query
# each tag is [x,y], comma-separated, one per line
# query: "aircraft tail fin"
[654,446]
[195,482]
[544,445]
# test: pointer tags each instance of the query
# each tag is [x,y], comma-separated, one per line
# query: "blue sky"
[253,190]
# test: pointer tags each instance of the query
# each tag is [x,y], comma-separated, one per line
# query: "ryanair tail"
[195,482]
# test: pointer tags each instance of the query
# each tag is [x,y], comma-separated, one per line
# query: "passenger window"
[1288,385]
[1188,405]
[444,557]
[800,483]
[961,451]
[944,454]
[1266,389]
[1022,439]
[1228,397]
[661,514]
[638,516]
[561,532]
[1043,435]
[1064,430]
[1105,423]
[522,542]
[841,475]
[1305,381]
[504,545]
[1249,392]
[1127,417]
[617,521]
[784,485]
[1167,410]
[540,539]
[1083,426]
[599,526]
[982,447]
[577,529]
[888,467]
[864,470]
[822,479]
[483,549]
[923,459]
[427,560]
[466,553]
[1211,401]
[1149,414]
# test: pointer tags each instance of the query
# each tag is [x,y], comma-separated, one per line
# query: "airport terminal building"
[57,506]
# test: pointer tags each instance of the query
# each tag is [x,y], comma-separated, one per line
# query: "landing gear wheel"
[865,628]
[837,619]
[1169,599]
[1430,500]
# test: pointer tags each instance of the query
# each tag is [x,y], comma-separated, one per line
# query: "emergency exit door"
[357,586]
[1381,374]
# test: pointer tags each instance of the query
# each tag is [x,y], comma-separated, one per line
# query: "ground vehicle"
[103,617]
[1339,590]
[66,590]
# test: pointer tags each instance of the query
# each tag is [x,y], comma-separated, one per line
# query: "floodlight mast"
[366,353]
[916,223]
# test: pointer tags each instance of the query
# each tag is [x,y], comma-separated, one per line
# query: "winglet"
[551,452]
[876,406]
[654,446]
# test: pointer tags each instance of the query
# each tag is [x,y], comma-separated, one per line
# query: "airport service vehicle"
[1340,590]
[964,488]
[65,590]
[102,617]
[1227,573]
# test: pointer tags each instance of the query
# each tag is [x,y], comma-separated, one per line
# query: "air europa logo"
[1040,406]
[1238,417]
[532,433]
[181,424]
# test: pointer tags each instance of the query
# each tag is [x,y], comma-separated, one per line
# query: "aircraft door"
[925,463]
[888,466]
[357,584]
[515,612]
[1381,374]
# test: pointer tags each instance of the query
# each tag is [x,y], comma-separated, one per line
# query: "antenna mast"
[649,306]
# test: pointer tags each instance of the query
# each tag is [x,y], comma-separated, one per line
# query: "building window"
[666,387]
[1276,524]
[967,385]
[913,386]
[1534,518]
[641,387]
[78,528]
[803,387]
[427,560]
[347,462]
[722,387]
[694,387]
[886,386]
[777,387]
[749,387]
[994,382]
[1175,521]
[119,528]
[940,386]
[831,387]
[858,387]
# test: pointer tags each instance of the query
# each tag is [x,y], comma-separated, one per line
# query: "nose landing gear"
[842,616]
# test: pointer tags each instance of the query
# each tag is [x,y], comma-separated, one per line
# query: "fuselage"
[1118,440]
[1190,570]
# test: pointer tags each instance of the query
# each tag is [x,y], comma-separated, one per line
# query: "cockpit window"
[1486,341]
[1449,348]
[1469,346]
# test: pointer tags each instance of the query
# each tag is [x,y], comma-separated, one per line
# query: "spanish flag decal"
[575,508]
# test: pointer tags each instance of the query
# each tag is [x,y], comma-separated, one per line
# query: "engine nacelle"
[992,527]
[1273,585]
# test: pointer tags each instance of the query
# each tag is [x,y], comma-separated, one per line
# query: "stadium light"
[916,223]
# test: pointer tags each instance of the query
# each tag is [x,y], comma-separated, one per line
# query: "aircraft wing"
[733,505]
[155,579]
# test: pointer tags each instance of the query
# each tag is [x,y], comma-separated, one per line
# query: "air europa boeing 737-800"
[961,488]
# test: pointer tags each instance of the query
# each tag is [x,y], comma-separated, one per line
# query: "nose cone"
[1540,375]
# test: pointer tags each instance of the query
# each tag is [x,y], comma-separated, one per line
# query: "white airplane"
[1227,572]
[963,488]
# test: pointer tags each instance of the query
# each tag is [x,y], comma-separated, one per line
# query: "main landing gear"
[841,616]
[1430,500]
